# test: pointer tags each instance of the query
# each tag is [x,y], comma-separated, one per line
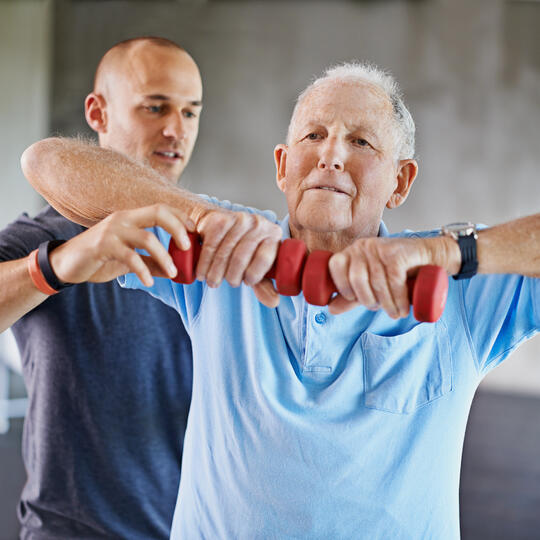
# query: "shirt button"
[320,318]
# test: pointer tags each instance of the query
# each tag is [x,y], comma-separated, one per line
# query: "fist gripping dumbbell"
[294,271]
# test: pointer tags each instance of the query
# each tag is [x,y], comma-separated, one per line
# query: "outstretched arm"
[373,271]
[86,183]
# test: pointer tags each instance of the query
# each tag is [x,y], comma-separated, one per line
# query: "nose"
[174,126]
[331,157]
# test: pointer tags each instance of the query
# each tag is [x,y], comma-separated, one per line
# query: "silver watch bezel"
[459,229]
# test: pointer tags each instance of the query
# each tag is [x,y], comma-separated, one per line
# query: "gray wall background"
[470,70]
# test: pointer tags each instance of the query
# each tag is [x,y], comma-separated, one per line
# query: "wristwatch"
[465,235]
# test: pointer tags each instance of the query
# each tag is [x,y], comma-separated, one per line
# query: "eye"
[155,109]
[313,136]
[361,142]
[189,114]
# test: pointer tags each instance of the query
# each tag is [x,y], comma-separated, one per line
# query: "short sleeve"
[501,311]
[185,299]
[25,234]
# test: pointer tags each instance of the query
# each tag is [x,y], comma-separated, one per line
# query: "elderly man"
[108,372]
[315,422]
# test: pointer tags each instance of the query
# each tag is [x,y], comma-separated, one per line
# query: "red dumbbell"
[186,261]
[427,290]
[295,271]
[286,270]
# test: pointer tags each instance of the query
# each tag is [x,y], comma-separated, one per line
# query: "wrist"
[58,279]
[444,251]
[465,236]
[40,270]
[199,211]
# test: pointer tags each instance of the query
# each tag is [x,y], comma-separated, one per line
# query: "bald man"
[108,395]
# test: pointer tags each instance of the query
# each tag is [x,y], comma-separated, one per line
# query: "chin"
[325,224]
[328,219]
[172,175]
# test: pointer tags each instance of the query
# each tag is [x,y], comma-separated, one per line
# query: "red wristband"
[36,275]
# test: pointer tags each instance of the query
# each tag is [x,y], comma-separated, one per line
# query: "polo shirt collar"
[286,232]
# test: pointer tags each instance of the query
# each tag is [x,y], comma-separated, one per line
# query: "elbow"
[28,161]
[35,159]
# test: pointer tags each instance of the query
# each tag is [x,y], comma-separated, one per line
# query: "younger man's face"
[153,104]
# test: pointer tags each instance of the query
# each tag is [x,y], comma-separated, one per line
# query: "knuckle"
[219,259]
[394,278]
[218,220]
[131,257]
[147,237]
[275,231]
[378,285]
[101,239]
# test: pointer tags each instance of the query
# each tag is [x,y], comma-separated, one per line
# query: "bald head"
[129,56]
[113,59]
[146,103]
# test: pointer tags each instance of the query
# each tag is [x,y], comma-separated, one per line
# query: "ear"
[406,173]
[280,157]
[95,111]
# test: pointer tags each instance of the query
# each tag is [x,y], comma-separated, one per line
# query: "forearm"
[86,183]
[18,295]
[511,248]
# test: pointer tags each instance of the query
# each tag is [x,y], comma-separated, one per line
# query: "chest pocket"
[408,371]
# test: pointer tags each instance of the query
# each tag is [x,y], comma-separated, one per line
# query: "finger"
[235,251]
[174,221]
[339,305]
[261,261]
[397,280]
[153,267]
[133,261]
[266,294]
[339,271]
[142,239]
[380,287]
[213,229]
[359,278]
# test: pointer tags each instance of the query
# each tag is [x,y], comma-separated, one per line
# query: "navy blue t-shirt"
[108,374]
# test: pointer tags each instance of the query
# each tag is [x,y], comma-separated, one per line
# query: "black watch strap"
[469,259]
[44,250]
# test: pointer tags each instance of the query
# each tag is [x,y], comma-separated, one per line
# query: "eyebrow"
[320,122]
[161,97]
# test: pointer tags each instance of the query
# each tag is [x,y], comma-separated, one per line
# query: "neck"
[333,241]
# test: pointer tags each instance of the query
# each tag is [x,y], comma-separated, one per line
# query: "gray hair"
[365,72]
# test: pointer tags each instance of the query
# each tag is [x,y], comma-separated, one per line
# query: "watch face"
[459,229]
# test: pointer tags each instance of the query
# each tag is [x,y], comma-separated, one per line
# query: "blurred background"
[470,71]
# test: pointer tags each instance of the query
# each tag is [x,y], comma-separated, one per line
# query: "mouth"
[169,156]
[332,189]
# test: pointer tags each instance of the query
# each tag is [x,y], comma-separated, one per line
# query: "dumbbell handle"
[427,290]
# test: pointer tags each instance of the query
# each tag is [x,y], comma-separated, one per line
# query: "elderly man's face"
[339,170]
[151,108]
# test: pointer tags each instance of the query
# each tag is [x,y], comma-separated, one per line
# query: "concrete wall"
[25,28]
[470,70]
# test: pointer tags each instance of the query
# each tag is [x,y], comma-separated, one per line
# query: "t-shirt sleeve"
[185,299]
[501,311]
[25,234]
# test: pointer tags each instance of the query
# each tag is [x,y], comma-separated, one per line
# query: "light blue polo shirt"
[306,425]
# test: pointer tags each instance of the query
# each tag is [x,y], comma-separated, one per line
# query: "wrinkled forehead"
[355,103]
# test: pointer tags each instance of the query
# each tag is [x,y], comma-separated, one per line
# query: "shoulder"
[25,234]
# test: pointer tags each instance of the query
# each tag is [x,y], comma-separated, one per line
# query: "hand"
[238,247]
[373,271]
[107,250]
